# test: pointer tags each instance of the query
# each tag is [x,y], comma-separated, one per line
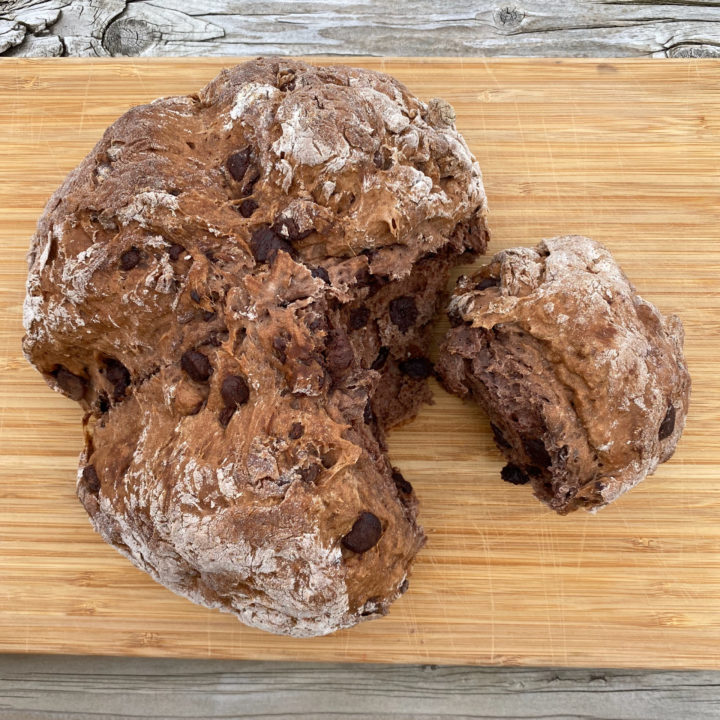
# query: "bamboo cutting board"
[626,152]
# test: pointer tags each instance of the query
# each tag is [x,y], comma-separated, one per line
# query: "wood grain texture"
[75,688]
[539,28]
[626,152]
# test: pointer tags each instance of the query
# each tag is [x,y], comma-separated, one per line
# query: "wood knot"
[129,36]
[693,50]
[508,18]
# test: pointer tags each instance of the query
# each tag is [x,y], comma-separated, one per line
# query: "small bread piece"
[237,287]
[584,381]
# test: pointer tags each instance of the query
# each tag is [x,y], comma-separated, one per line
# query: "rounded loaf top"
[232,285]
[584,380]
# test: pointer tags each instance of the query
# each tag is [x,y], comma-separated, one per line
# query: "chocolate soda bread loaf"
[584,381]
[237,286]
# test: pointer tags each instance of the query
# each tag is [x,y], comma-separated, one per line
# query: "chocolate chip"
[196,365]
[404,586]
[339,353]
[238,163]
[287,227]
[538,454]
[129,259]
[514,475]
[668,424]
[322,273]
[487,282]
[499,437]
[207,316]
[369,414]
[247,207]
[359,318]
[403,312]
[266,243]
[381,358]
[73,385]
[118,376]
[296,431]
[309,474]
[455,318]
[417,368]
[103,403]
[225,415]
[284,227]
[234,391]
[382,159]
[318,324]
[365,533]
[280,346]
[401,483]
[175,250]
[91,479]
[195,295]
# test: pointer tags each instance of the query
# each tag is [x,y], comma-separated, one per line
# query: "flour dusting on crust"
[237,287]
[584,380]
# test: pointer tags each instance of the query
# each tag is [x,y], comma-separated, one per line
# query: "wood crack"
[678,3]
[622,24]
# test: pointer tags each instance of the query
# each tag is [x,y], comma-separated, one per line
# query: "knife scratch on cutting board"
[544,579]
[491,593]
[583,538]
[559,576]
[83,107]
[553,166]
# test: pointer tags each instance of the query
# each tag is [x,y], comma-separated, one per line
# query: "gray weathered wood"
[675,28]
[40,688]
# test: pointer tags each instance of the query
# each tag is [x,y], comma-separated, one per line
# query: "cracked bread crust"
[584,381]
[237,287]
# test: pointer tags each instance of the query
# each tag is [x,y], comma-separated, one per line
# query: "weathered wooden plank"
[40,688]
[12,34]
[674,28]
[40,46]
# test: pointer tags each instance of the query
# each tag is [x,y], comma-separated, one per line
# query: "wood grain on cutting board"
[627,152]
